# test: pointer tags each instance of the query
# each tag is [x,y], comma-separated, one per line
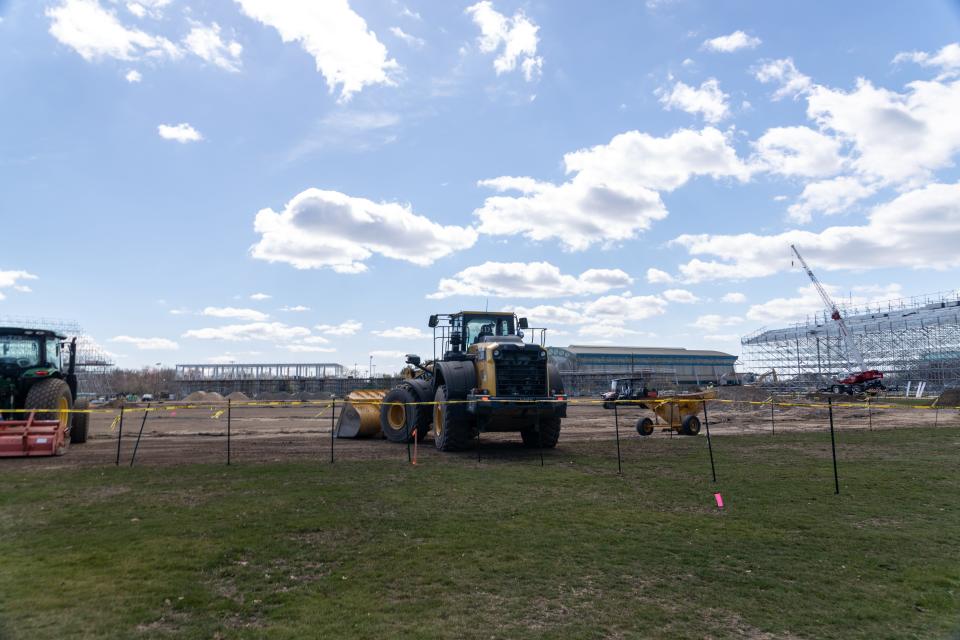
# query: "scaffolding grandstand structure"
[911,340]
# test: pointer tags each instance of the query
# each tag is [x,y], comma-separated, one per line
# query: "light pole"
[370,368]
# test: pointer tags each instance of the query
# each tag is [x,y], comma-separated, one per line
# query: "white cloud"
[151,8]
[233,312]
[136,9]
[732,42]
[808,302]
[785,73]
[918,230]
[182,132]
[401,333]
[260,296]
[13,280]
[252,331]
[734,297]
[411,40]
[133,76]
[96,33]
[607,311]
[204,41]
[148,344]
[680,296]
[613,193]
[330,229]
[528,280]
[307,348]
[393,355]
[713,321]
[517,35]
[346,52]
[658,276]
[296,309]
[708,101]
[948,59]
[798,151]
[406,12]
[348,328]
[829,197]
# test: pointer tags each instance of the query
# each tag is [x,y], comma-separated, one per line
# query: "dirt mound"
[743,393]
[238,396]
[205,396]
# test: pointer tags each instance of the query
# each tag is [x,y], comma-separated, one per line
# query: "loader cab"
[456,333]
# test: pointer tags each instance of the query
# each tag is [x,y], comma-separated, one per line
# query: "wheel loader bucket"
[360,416]
[31,437]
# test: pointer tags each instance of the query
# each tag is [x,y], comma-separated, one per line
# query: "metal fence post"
[120,435]
[706,421]
[833,447]
[228,431]
[616,426]
[137,443]
[333,410]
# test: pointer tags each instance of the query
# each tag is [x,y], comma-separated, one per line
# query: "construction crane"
[861,379]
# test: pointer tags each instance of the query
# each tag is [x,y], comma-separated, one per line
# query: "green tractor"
[35,383]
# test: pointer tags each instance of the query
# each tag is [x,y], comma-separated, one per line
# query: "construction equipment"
[37,394]
[677,412]
[486,379]
[859,379]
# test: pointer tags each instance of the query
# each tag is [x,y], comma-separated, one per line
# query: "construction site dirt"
[175,435]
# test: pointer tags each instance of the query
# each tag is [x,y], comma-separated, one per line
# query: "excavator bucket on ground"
[360,416]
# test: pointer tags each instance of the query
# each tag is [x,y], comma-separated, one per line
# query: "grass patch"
[503,549]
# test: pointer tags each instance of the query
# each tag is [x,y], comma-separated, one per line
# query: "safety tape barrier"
[220,407]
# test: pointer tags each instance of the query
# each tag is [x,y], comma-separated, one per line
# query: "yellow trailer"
[678,413]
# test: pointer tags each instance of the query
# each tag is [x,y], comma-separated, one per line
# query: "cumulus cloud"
[680,296]
[613,193]
[182,133]
[148,344]
[517,36]
[712,321]
[734,296]
[205,41]
[295,309]
[401,333]
[606,315]
[233,312]
[133,76]
[707,100]
[784,73]
[808,302]
[348,328]
[14,280]
[411,40]
[829,197]
[346,52]
[798,151]
[96,33]
[320,228]
[528,280]
[658,276]
[732,42]
[260,296]
[276,331]
[947,59]
[918,229]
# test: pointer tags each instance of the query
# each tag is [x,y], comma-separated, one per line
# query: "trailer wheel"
[691,425]
[81,423]
[393,414]
[546,438]
[645,426]
[451,424]
[835,389]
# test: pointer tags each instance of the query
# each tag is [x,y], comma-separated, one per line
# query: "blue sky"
[624,172]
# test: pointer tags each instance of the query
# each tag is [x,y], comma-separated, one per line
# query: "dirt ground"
[175,435]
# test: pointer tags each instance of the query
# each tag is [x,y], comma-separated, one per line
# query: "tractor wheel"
[54,396]
[691,425]
[451,424]
[645,426]
[393,414]
[546,438]
[81,422]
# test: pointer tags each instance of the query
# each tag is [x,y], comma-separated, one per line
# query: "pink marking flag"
[719,499]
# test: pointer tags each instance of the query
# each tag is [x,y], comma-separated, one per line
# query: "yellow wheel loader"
[486,379]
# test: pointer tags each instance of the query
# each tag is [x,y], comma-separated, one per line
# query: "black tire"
[394,420]
[81,423]
[546,438]
[691,425]
[452,426]
[54,395]
[645,426]
[419,416]
[835,389]
[858,389]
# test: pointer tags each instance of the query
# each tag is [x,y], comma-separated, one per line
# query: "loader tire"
[53,395]
[690,426]
[81,423]
[419,416]
[394,410]
[645,426]
[452,426]
[546,438]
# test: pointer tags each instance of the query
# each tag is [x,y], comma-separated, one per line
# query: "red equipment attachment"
[32,437]
[862,377]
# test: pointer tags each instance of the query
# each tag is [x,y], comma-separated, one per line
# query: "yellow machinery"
[678,413]
[360,417]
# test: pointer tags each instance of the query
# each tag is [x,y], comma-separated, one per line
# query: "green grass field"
[501,549]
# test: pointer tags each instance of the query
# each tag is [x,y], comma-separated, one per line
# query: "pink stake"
[719,499]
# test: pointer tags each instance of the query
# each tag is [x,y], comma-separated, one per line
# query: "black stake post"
[539,433]
[616,425]
[120,436]
[773,425]
[936,418]
[228,432]
[478,437]
[869,415]
[409,457]
[333,410]
[833,447]
[706,422]
[137,443]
